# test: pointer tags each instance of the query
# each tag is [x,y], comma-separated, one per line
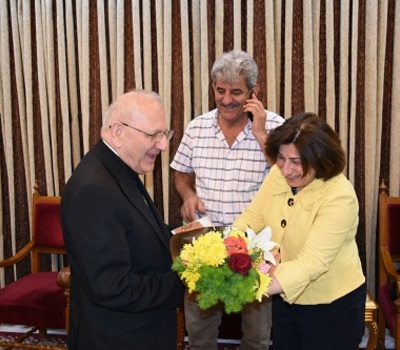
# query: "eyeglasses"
[155,136]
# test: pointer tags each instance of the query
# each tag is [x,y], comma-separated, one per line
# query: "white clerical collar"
[112,149]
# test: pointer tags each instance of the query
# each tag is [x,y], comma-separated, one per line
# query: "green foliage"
[256,255]
[223,285]
[178,266]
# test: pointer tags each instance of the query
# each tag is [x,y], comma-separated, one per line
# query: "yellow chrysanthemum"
[188,253]
[190,277]
[208,249]
[262,290]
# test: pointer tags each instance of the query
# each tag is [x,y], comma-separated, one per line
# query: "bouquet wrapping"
[227,266]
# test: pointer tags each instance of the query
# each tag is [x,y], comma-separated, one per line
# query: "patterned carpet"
[234,344]
[58,337]
[53,341]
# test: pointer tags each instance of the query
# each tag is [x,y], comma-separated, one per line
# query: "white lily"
[262,240]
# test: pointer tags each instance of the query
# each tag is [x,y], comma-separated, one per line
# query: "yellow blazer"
[316,231]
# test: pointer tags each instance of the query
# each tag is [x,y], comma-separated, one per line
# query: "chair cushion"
[34,300]
[47,225]
[386,304]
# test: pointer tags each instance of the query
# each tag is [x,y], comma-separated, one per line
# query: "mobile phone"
[249,114]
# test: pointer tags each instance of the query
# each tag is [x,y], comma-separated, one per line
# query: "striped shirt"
[227,178]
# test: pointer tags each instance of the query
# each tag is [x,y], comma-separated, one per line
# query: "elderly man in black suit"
[123,292]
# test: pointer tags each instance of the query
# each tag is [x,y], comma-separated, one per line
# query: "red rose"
[240,263]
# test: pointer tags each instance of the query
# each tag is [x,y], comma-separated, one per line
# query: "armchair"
[35,300]
[388,266]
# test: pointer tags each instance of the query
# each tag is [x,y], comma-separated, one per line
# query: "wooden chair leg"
[381,331]
[371,318]
[42,332]
[180,335]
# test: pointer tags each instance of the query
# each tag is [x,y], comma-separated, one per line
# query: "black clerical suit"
[123,292]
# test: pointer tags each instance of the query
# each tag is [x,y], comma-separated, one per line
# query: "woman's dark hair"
[318,144]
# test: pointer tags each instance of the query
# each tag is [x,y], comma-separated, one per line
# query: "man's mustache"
[230,105]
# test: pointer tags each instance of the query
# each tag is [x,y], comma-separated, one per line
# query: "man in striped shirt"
[219,166]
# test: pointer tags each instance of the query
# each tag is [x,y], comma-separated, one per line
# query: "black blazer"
[123,293]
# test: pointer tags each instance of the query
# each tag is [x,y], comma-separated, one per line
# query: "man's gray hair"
[233,64]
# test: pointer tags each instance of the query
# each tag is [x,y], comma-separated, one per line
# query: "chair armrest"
[63,281]
[63,278]
[389,264]
[16,258]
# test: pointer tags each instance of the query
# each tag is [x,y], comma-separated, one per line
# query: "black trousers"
[335,326]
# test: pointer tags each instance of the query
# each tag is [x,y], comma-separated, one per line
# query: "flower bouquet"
[228,266]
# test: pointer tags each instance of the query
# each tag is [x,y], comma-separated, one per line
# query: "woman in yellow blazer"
[318,286]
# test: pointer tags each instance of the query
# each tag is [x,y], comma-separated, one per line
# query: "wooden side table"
[371,312]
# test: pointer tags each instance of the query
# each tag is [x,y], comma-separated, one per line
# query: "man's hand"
[185,185]
[256,107]
[190,206]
